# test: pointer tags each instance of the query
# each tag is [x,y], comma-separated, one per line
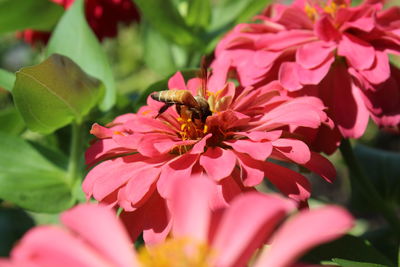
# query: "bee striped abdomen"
[180,97]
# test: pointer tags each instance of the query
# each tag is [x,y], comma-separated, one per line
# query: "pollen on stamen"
[182,252]
[146,112]
[311,12]
[205,130]
[189,130]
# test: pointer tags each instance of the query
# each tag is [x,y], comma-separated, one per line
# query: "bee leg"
[178,109]
[163,109]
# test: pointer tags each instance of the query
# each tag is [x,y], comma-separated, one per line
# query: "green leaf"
[29,180]
[253,8]
[347,263]
[199,14]
[7,79]
[11,121]
[28,14]
[227,13]
[383,168]
[53,93]
[348,249]
[231,12]
[73,38]
[157,50]
[165,18]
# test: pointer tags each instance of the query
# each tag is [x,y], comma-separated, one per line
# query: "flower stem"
[75,152]
[371,195]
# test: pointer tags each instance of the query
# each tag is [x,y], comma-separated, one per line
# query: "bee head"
[204,107]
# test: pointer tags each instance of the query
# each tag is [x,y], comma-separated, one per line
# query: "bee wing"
[204,77]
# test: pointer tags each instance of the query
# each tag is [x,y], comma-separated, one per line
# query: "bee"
[187,105]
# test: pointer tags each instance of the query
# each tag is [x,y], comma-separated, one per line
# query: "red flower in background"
[103,16]
[141,155]
[326,49]
[32,36]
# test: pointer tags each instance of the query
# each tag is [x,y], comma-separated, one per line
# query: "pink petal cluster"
[141,155]
[327,49]
[92,236]
[103,16]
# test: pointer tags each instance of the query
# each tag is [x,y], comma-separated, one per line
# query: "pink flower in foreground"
[103,16]
[142,154]
[327,49]
[92,236]
[226,238]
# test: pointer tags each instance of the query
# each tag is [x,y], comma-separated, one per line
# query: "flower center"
[194,123]
[314,8]
[176,253]
[191,130]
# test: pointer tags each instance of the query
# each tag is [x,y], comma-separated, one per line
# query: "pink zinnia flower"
[103,16]
[92,236]
[327,49]
[142,154]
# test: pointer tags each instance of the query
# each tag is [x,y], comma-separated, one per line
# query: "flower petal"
[315,75]
[289,182]
[180,166]
[100,131]
[300,111]
[289,76]
[317,226]
[177,82]
[147,145]
[6,263]
[259,136]
[313,54]
[292,149]
[325,30]
[110,175]
[98,225]
[51,246]
[321,166]
[359,54]
[285,39]
[346,106]
[190,207]
[103,149]
[257,150]
[218,162]
[245,226]
[380,70]
[250,170]
[152,219]
[384,104]
[140,184]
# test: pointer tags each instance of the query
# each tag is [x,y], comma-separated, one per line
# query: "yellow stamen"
[333,7]
[205,130]
[330,8]
[311,12]
[182,252]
